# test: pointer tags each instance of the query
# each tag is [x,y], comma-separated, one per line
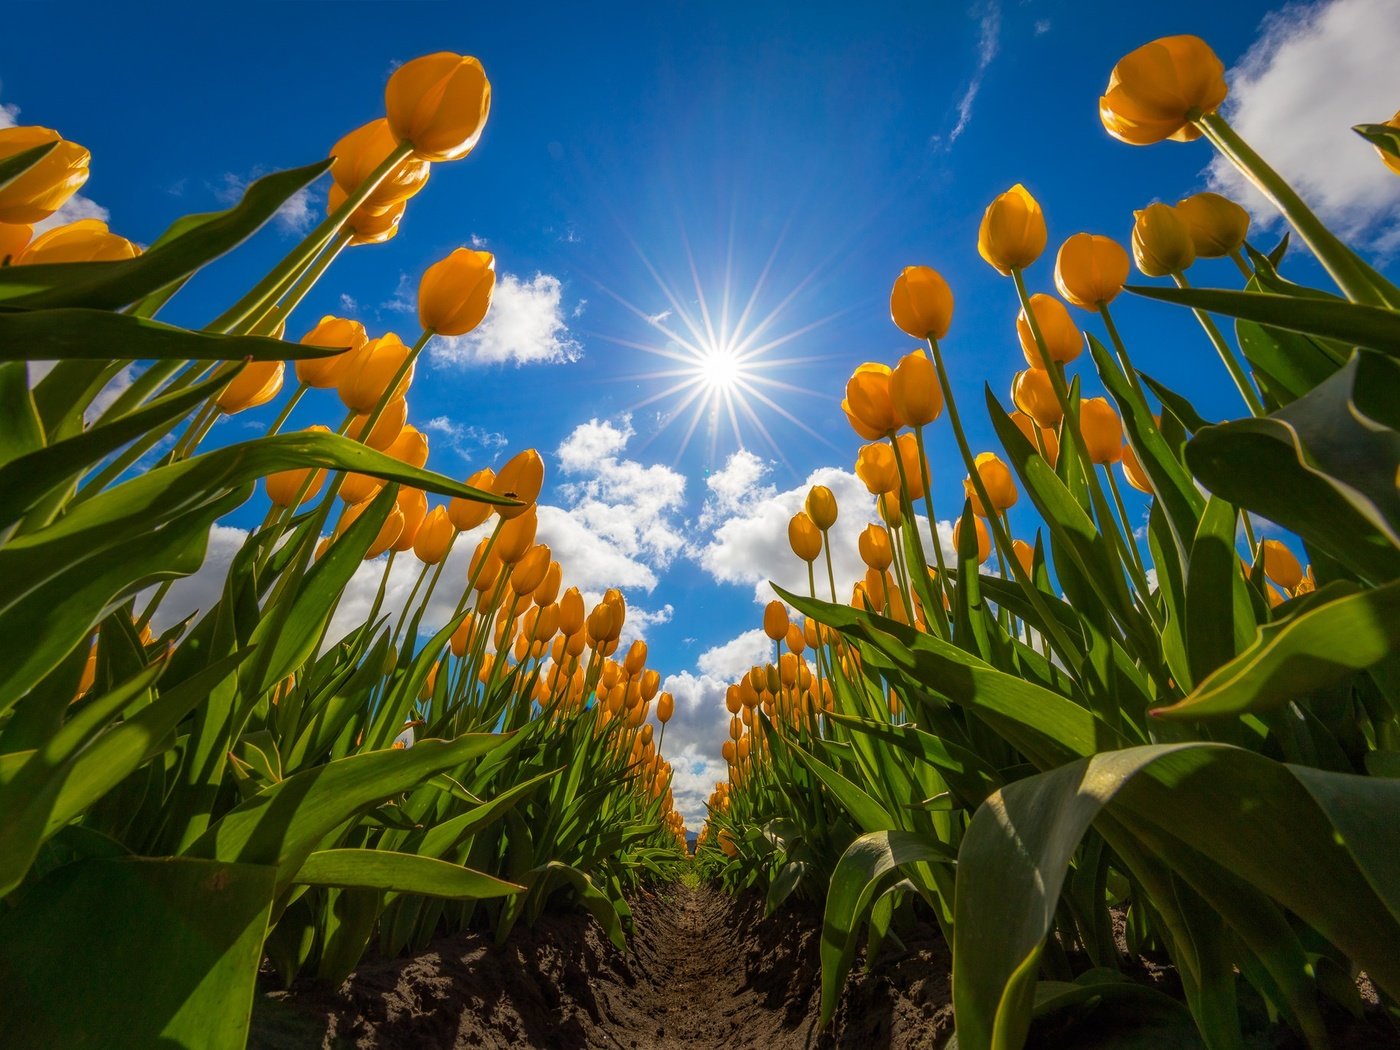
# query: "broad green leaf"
[374,869]
[543,878]
[1385,137]
[1214,603]
[21,430]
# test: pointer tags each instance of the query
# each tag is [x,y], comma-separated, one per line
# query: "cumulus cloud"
[526,326]
[1314,72]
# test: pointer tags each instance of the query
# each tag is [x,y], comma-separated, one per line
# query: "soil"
[704,971]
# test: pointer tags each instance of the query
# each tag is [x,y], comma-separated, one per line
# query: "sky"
[736,178]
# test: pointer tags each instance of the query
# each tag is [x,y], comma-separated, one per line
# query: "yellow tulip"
[875,465]
[1133,472]
[369,372]
[1034,394]
[413,505]
[1156,91]
[821,507]
[875,550]
[357,156]
[455,293]
[1063,342]
[1048,438]
[867,404]
[528,573]
[516,536]
[467,514]
[914,466]
[256,384]
[984,539]
[1090,270]
[1280,565]
[1012,234]
[13,237]
[804,537]
[1217,225]
[665,708]
[548,588]
[367,225]
[386,431]
[571,612]
[1390,160]
[996,479]
[775,621]
[411,447]
[915,395]
[283,485]
[388,532]
[1162,244]
[356,488]
[324,372]
[521,479]
[44,187]
[87,240]
[921,303]
[438,104]
[434,537]
[1025,554]
[1102,430]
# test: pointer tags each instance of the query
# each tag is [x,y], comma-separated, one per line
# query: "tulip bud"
[1062,339]
[775,621]
[515,537]
[1090,270]
[388,532]
[467,514]
[87,240]
[356,488]
[914,391]
[867,403]
[434,537]
[1280,565]
[1034,394]
[256,384]
[821,507]
[438,104]
[1162,244]
[796,641]
[1133,472]
[1155,92]
[1025,554]
[996,479]
[913,464]
[804,537]
[1012,234]
[413,504]
[600,624]
[665,708]
[888,506]
[529,571]
[283,485]
[1102,430]
[520,479]
[875,550]
[369,373]
[875,465]
[13,237]
[571,612]
[324,372]
[1049,441]
[636,658]
[1217,225]
[984,540]
[386,429]
[43,187]
[921,303]
[411,447]
[455,292]
[548,589]
[360,153]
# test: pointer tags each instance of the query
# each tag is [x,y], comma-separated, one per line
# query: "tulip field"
[1061,753]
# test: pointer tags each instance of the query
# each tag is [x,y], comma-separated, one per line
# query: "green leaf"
[15,165]
[134,952]
[1385,137]
[1212,604]
[21,430]
[112,285]
[374,869]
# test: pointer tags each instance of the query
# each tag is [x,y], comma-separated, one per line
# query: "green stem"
[933,531]
[1123,515]
[278,313]
[1227,356]
[286,410]
[830,575]
[1245,271]
[1122,351]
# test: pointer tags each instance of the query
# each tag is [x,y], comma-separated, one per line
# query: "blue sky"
[657,148]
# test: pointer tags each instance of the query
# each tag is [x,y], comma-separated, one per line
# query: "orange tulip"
[984,539]
[521,479]
[43,187]
[257,384]
[283,485]
[1091,270]
[368,374]
[1156,91]
[1102,430]
[921,303]
[438,104]
[996,479]
[1012,234]
[1063,341]
[467,514]
[434,538]
[324,372]
[1034,394]
[875,465]
[867,403]
[455,293]
[914,391]
[87,240]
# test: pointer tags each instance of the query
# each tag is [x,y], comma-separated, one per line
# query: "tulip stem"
[1245,271]
[830,575]
[1124,361]
[1127,524]
[287,409]
[1227,356]
[932,529]
[278,314]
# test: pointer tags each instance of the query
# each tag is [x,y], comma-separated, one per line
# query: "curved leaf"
[377,869]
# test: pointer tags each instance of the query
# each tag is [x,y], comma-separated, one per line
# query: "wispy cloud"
[988,44]
[466,440]
[296,215]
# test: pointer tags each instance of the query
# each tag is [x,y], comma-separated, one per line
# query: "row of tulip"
[179,804]
[1043,734]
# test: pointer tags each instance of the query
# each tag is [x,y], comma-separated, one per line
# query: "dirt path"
[705,971]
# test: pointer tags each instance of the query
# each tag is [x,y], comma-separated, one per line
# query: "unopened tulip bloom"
[385,431]
[1156,91]
[438,104]
[571,612]
[1162,243]
[1063,341]
[876,466]
[1217,225]
[1025,554]
[1102,430]
[44,187]
[1090,270]
[87,240]
[914,391]
[455,292]
[665,708]
[388,532]
[256,384]
[356,488]
[821,507]
[283,485]
[367,225]
[548,588]
[867,403]
[521,479]
[413,505]
[996,479]
[921,303]
[887,505]
[1280,565]
[434,537]
[875,549]
[1049,440]
[1034,394]
[528,572]
[804,537]
[1133,472]
[360,153]
[368,374]
[912,462]
[13,238]
[1012,234]
[516,536]
[411,447]
[467,514]
[984,540]
[775,621]
[324,372]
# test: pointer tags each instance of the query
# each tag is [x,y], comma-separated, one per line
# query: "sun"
[719,368]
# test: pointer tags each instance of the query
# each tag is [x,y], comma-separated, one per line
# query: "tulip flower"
[367,225]
[867,403]
[521,479]
[528,573]
[1280,565]
[915,394]
[438,104]
[1033,393]
[385,431]
[256,384]
[1102,430]
[804,537]
[665,708]
[368,374]
[921,303]
[571,612]
[875,550]
[1090,270]
[912,464]
[455,293]
[516,536]
[821,507]
[1157,91]
[411,447]
[1025,554]
[434,538]
[13,238]
[996,479]
[1162,243]
[1063,341]
[356,488]
[283,486]
[388,532]
[359,154]
[323,372]
[775,621]
[45,186]
[548,588]
[1133,472]
[876,466]
[1012,234]
[87,240]
[1217,225]
[1048,443]
[984,540]
[467,514]
[413,505]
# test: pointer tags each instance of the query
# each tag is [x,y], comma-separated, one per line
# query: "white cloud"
[988,44]
[296,215]
[1314,72]
[9,115]
[525,325]
[734,657]
[1042,26]
[466,440]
